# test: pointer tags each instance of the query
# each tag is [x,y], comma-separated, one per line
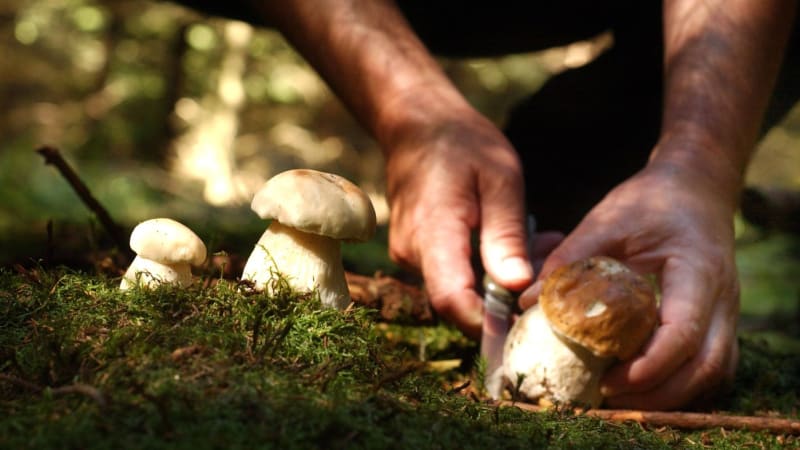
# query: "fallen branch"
[397,301]
[681,419]
[53,157]
[75,388]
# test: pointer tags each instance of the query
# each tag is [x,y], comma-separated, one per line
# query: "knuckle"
[402,256]
[710,372]
[441,301]
[688,338]
[443,304]
[401,252]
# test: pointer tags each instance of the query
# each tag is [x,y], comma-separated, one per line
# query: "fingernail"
[516,269]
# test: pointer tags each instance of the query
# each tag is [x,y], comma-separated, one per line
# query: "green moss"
[84,365]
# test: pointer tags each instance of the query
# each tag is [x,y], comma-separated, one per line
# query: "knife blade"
[497,308]
[498,305]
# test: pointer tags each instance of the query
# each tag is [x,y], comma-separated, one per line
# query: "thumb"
[504,239]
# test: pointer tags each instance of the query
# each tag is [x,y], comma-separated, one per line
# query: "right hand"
[447,178]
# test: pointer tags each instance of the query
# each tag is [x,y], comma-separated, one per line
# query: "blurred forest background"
[166,112]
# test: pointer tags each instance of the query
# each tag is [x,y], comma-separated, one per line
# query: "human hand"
[446,179]
[672,222]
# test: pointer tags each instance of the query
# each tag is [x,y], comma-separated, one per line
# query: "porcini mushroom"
[590,314]
[165,251]
[311,213]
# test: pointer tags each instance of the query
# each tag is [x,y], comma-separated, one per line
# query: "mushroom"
[590,314]
[311,213]
[165,251]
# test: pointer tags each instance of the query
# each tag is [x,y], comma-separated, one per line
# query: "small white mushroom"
[591,313]
[311,212]
[165,251]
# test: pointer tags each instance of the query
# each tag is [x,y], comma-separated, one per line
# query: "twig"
[75,388]
[21,383]
[682,420]
[83,389]
[460,387]
[53,157]
[50,246]
[398,374]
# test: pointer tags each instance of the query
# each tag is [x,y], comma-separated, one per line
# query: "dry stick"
[683,420]
[53,157]
[75,388]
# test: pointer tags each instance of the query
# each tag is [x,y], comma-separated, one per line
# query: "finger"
[530,296]
[723,385]
[585,241]
[712,367]
[541,245]
[449,279]
[503,233]
[685,316]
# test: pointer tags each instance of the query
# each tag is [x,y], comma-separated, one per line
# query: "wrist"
[419,111]
[703,163]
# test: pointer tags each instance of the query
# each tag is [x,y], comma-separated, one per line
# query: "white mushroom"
[311,212]
[591,313]
[165,251]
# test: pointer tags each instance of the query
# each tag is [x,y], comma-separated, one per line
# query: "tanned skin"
[451,171]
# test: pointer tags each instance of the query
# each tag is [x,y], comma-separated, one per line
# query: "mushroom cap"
[602,305]
[317,202]
[168,242]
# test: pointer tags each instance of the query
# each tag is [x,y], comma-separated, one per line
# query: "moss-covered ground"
[84,365]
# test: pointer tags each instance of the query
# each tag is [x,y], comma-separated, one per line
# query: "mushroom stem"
[551,366]
[308,261]
[148,273]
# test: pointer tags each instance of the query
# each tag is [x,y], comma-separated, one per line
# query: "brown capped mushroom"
[590,314]
[311,213]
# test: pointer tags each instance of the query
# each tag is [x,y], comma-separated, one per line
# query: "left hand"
[671,221]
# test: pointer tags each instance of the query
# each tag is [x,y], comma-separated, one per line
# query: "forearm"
[721,60]
[370,57]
